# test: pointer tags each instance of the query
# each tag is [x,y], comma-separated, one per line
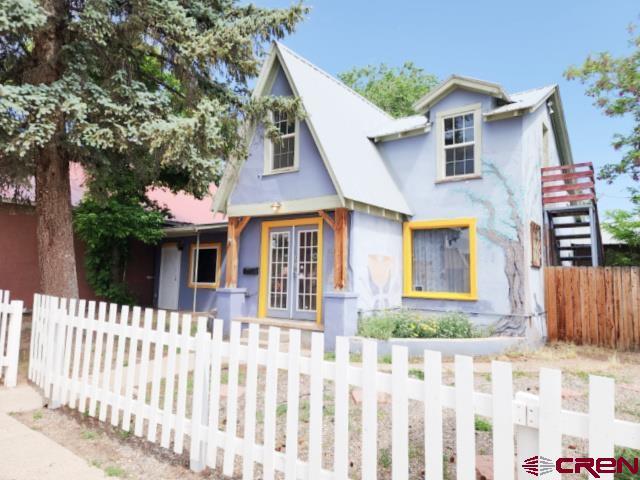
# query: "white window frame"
[268,152]
[476,110]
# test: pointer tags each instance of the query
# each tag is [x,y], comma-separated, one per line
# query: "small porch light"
[275,206]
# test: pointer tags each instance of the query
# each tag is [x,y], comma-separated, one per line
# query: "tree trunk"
[56,255]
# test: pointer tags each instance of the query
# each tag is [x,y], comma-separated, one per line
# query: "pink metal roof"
[182,206]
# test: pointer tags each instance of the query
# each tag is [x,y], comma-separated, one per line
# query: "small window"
[536,245]
[204,262]
[281,153]
[459,146]
[440,259]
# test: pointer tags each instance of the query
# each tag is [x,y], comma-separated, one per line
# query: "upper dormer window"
[459,143]
[281,153]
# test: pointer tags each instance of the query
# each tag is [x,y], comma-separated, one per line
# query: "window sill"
[460,178]
[442,296]
[279,171]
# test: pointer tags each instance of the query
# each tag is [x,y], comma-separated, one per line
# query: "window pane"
[457,121]
[468,153]
[459,168]
[449,170]
[448,124]
[468,120]
[207,262]
[468,134]
[440,260]
[458,136]
[448,137]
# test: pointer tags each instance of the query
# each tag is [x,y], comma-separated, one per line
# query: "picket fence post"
[198,451]
[526,436]
[13,343]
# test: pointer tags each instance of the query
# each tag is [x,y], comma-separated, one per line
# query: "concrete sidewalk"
[26,454]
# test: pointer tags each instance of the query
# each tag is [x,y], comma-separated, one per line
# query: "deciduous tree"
[392,89]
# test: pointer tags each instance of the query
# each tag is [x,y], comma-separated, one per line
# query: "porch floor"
[282,323]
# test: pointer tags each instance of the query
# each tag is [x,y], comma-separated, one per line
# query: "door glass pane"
[440,260]
[307,266]
[279,270]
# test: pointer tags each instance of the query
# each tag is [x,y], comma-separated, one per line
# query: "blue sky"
[518,44]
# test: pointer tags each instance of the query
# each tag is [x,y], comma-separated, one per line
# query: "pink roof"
[183,207]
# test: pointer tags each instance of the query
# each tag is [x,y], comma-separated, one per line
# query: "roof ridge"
[334,79]
[551,85]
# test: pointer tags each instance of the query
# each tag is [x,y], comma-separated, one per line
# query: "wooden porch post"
[236,225]
[339,224]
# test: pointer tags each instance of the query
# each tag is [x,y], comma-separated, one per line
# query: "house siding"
[249,257]
[531,173]
[309,181]
[205,297]
[375,262]
[412,163]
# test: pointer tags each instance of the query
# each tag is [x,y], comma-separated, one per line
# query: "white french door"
[292,289]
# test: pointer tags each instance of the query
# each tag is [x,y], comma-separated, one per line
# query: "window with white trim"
[459,149]
[283,149]
[459,145]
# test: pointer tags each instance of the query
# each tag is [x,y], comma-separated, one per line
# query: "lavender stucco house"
[354,211]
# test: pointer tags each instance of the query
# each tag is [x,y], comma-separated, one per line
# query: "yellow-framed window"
[204,265]
[440,259]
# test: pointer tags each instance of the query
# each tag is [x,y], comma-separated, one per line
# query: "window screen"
[440,261]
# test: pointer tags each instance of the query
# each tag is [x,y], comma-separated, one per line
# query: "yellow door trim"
[264,260]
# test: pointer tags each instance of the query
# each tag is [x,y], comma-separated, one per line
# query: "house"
[18,242]
[353,211]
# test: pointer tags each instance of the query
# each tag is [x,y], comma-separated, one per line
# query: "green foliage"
[163,84]
[114,212]
[392,89]
[410,324]
[482,425]
[629,454]
[625,226]
[614,85]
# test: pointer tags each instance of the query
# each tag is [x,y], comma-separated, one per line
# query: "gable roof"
[527,100]
[339,120]
[458,81]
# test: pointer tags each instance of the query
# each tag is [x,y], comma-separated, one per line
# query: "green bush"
[410,324]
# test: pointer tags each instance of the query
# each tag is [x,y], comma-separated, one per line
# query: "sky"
[517,44]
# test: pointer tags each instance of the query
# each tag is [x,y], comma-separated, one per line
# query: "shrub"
[377,326]
[411,324]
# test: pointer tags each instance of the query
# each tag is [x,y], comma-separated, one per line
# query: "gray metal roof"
[341,119]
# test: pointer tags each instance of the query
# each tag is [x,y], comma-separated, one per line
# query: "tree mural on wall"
[511,243]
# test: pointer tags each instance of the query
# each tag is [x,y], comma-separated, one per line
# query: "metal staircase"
[571,216]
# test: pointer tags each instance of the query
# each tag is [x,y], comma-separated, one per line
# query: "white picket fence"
[10,328]
[98,359]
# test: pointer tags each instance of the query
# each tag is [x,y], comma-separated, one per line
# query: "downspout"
[195,284]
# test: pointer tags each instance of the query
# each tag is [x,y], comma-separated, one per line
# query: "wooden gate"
[594,305]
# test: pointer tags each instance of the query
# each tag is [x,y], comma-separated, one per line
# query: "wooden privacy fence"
[594,305]
[10,328]
[220,399]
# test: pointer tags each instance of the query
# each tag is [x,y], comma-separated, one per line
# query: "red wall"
[19,259]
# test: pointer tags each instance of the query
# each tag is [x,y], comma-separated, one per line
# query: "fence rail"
[594,305]
[10,329]
[202,393]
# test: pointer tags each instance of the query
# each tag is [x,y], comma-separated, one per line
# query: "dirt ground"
[123,455]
